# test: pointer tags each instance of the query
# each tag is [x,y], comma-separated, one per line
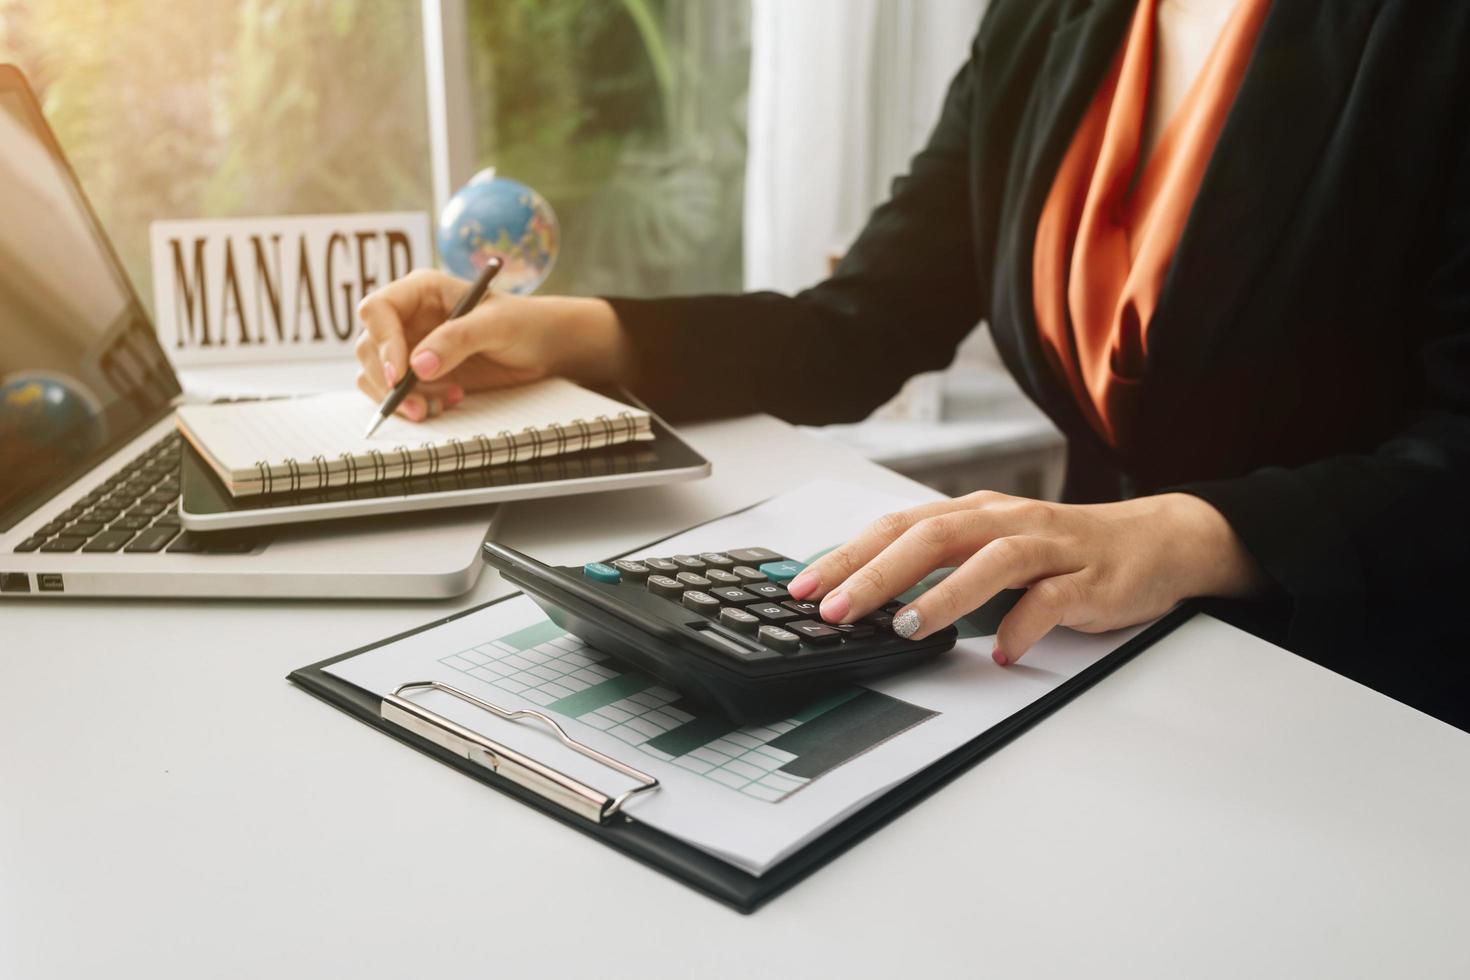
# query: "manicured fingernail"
[454,396]
[414,409]
[835,607]
[390,374]
[999,657]
[803,585]
[425,364]
[907,623]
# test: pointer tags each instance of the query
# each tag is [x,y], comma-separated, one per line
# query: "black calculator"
[719,627]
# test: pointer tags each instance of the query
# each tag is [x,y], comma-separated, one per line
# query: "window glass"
[181,109]
[627,115]
[629,118]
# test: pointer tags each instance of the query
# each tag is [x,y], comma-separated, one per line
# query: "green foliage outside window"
[630,118]
[184,109]
[627,114]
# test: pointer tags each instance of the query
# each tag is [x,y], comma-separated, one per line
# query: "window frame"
[447,86]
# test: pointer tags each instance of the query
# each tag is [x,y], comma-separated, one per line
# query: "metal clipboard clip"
[548,783]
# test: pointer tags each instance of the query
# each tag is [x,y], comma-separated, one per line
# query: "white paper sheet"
[758,794]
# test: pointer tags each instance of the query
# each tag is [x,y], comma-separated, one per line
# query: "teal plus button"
[601,571]
[782,571]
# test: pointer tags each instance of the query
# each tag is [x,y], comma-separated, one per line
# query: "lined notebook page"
[237,436]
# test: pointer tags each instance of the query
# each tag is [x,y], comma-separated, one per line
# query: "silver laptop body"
[88,489]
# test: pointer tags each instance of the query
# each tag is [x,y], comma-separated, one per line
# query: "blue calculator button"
[782,571]
[601,571]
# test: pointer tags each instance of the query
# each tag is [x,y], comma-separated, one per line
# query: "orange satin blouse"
[1108,229]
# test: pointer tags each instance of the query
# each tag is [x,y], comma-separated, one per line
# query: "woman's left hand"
[1092,567]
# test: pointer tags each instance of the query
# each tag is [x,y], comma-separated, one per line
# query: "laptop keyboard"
[135,511]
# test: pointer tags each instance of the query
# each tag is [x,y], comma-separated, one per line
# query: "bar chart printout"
[748,795]
[558,672]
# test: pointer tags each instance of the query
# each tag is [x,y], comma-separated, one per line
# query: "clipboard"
[588,810]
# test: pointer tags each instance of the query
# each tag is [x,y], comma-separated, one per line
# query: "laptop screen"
[80,369]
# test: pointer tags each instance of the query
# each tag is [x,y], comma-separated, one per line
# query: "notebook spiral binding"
[351,463]
[503,447]
[293,468]
[485,447]
[513,444]
[380,465]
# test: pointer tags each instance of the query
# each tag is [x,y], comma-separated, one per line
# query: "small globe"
[496,216]
[41,412]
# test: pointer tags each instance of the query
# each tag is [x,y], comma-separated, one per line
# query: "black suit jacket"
[1309,361]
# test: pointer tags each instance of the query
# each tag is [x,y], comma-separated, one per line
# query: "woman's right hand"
[505,340]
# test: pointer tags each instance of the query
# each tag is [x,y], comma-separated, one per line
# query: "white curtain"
[842,94]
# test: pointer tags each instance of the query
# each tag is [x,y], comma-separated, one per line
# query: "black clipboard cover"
[724,882]
[663,852]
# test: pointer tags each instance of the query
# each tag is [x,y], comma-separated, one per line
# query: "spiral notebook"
[306,443]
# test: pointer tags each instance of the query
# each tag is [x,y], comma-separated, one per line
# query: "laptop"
[89,454]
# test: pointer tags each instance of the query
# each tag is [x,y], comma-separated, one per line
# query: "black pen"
[405,384]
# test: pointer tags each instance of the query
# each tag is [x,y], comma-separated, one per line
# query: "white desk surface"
[171,807]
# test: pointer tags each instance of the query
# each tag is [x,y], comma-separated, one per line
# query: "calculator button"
[817,634]
[716,560]
[807,609]
[771,613]
[782,571]
[692,581]
[599,571]
[778,639]
[661,565]
[739,620]
[854,631]
[720,577]
[754,556]
[734,596]
[689,563]
[633,571]
[769,591]
[700,602]
[748,574]
[879,620]
[662,585]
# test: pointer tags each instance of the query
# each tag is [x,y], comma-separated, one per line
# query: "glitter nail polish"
[907,623]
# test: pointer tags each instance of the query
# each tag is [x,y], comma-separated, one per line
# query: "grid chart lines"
[557,671]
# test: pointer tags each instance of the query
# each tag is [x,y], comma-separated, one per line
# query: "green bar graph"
[531,636]
[594,697]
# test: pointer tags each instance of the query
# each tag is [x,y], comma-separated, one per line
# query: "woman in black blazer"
[1302,452]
